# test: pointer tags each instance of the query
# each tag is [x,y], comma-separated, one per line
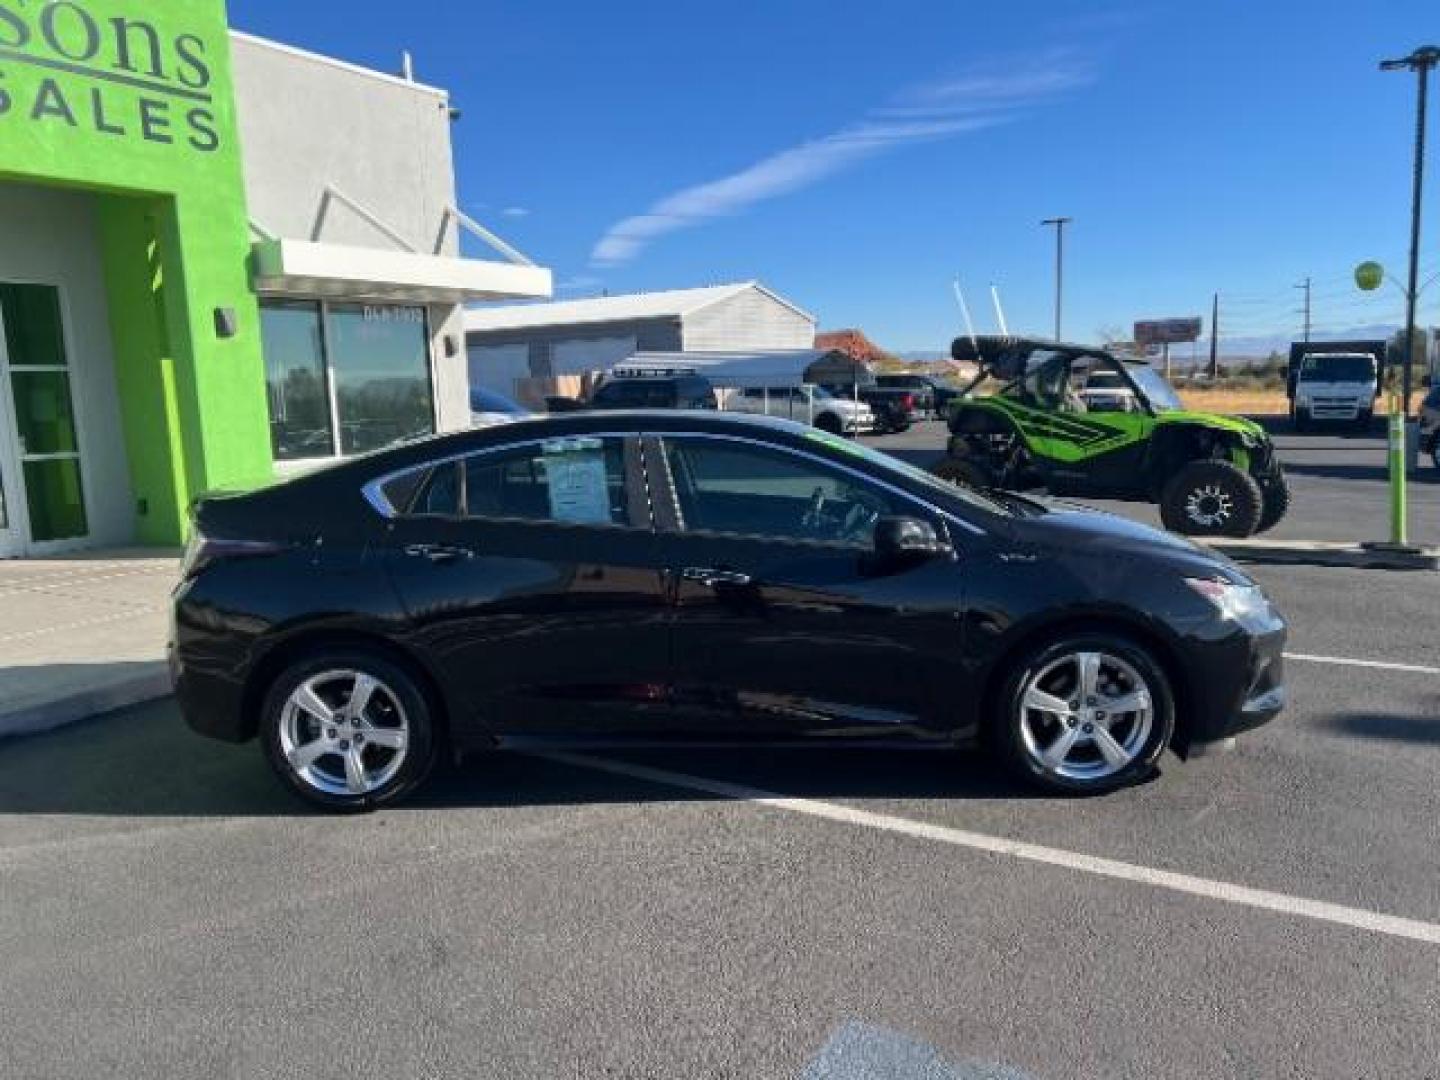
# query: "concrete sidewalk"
[81,635]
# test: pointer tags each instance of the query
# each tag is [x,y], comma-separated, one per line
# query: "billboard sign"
[1167,331]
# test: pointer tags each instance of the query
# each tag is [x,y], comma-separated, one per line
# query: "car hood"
[1239,425]
[1073,529]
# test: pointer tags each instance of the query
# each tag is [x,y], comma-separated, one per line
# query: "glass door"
[44,498]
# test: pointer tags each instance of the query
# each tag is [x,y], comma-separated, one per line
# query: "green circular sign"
[1369,276]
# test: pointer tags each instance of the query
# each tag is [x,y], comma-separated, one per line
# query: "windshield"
[1158,392]
[1337,368]
[482,400]
[911,472]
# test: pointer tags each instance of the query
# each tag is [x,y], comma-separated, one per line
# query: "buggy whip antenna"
[999,311]
[965,313]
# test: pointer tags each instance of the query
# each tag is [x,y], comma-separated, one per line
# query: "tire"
[1363,421]
[1212,498]
[830,423]
[1276,494]
[396,728]
[965,472]
[1302,420]
[1435,455]
[1062,751]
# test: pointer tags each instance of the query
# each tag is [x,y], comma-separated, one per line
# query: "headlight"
[1231,600]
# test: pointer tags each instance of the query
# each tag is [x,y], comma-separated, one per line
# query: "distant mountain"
[1264,345]
[924,356]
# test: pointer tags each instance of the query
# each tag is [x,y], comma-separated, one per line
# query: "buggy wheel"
[1277,503]
[1212,498]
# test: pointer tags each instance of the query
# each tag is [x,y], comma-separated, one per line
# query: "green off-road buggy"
[1078,421]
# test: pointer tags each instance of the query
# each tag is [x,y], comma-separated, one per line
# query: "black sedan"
[689,577]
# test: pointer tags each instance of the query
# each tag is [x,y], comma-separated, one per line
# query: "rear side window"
[578,480]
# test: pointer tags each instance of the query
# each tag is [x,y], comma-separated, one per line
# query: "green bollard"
[1398,515]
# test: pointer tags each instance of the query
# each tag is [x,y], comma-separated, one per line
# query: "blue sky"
[856,156]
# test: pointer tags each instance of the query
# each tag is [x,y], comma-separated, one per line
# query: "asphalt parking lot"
[167,911]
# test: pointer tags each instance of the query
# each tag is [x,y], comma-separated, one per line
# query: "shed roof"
[667,304]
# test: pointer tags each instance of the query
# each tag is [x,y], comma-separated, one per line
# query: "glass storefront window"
[376,357]
[381,360]
[295,381]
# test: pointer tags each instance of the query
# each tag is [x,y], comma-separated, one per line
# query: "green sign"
[1369,276]
[116,75]
[132,101]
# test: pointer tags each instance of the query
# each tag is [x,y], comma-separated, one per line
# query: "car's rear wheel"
[829,422]
[347,730]
[967,472]
[1212,498]
[1086,714]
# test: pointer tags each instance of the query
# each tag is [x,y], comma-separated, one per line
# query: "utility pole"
[1306,309]
[1421,61]
[1059,223]
[1215,338]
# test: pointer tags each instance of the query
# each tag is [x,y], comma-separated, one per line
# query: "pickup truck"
[807,404]
[895,409]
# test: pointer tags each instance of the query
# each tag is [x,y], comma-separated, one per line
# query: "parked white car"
[807,404]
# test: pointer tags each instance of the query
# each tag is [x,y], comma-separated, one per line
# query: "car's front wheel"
[347,730]
[1212,498]
[1085,715]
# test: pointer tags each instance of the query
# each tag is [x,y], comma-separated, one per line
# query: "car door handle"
[712,577]
[438,553]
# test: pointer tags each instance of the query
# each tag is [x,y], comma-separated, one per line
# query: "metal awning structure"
[403,274]
[340,272]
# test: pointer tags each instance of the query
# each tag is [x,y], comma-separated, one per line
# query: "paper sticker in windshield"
[575,475]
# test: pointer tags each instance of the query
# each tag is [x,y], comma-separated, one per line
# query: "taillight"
[203,551]
[907,402]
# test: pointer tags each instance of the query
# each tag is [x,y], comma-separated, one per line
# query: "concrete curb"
[1318,553]
[58,712]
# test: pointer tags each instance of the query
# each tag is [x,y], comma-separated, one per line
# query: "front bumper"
[1239,682]
[1333,408]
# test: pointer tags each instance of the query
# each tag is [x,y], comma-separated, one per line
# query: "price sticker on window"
[575,476]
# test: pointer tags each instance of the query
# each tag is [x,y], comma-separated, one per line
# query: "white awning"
[334,271]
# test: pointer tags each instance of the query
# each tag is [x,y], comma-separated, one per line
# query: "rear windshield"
[1338,368]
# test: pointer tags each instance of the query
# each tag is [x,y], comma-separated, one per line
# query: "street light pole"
[1421,61]
[1059,223]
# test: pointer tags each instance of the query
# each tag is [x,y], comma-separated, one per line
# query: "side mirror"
[905,540]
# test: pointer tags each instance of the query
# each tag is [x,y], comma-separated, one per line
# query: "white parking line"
[1227,892]
[1345,661]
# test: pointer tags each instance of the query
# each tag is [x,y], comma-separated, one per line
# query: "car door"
[780,626]
[529,577]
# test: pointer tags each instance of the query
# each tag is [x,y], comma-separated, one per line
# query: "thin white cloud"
[938,110]
[515,212]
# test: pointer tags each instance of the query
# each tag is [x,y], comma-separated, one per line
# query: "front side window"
[739,488]
[376,359]
[576,481]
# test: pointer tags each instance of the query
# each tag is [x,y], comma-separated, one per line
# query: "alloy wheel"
[344,732]
[1209,506]
[1086,716]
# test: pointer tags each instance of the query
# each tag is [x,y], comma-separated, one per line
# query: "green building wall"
[133,101]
